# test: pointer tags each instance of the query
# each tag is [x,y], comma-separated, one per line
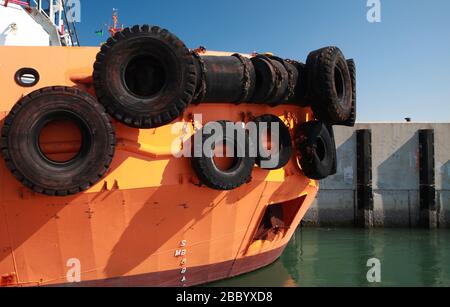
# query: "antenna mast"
[114,28]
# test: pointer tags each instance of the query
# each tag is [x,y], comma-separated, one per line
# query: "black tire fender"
[350,122]
[316,149]
[203,162]
[334,151]
[300,90]
[19,142]
[145,76]
[284,151]
[281,88]
[329,85]
[265,79]
[292,78]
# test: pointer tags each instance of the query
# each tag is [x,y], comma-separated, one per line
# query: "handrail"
[46,8]
[39,7]
[75,41]
[28,3]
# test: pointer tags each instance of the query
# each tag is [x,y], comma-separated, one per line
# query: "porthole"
[27,77]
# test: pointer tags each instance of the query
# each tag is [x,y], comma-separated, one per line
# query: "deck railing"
[55,12]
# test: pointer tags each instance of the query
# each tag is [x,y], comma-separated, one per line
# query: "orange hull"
[148,222]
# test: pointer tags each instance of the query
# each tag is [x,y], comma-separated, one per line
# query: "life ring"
[283,153]
[316,149]
[22,152]
[145,76]
[329,85]
[236,170]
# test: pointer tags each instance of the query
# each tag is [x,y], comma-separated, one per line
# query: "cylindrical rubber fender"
[226,78]
[265,79]
[329,85]
[350,122]
[144,76]
[238,169]
[291,80]
[21,148]
[283,151]
[316,149]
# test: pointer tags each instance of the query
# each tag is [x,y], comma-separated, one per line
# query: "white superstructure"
[34,23]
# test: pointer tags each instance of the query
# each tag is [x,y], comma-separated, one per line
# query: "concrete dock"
[395,182]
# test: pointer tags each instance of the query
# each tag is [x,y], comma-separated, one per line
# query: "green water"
[338,257]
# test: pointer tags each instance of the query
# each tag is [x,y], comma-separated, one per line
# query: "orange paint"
[148,221]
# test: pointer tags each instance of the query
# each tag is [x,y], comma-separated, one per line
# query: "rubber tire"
[213,177]
[302,85]
[334,151]
[152,109]
[315,164]
[292,78]
[265,79]
[323,95]
[350,122]
[19,142]
[285,141]
[281,84]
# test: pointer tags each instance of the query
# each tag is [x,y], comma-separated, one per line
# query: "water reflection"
[338,257]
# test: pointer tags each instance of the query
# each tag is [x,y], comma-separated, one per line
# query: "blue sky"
[403,62]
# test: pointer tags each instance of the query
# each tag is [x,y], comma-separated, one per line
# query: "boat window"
[27,77]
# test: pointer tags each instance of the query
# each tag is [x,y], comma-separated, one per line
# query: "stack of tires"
[330,91]
[145,77]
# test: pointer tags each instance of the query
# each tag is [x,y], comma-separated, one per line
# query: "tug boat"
[100,185]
